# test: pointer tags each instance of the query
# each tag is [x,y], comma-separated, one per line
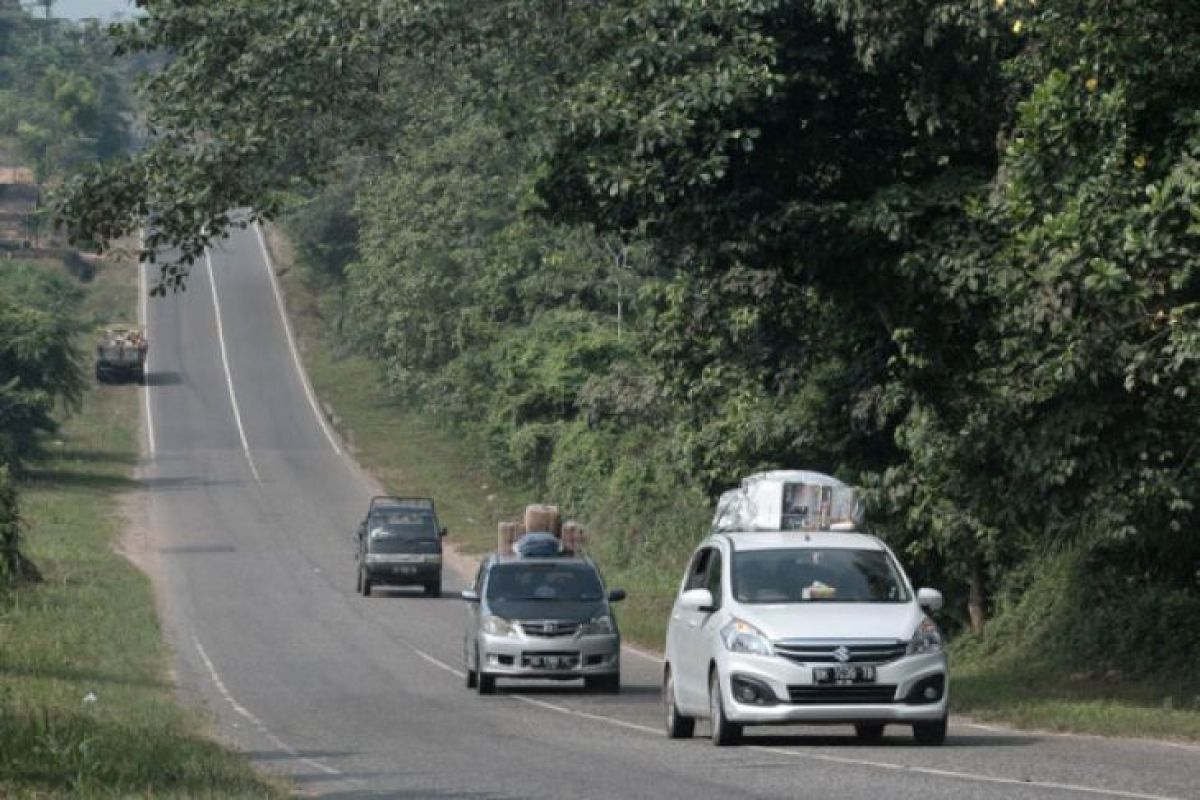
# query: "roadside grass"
[87,708]
[1041,698]
[407,451]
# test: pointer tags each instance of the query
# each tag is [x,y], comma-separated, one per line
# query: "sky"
[79,9]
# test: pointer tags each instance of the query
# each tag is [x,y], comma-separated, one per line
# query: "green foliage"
[62,104]
[945,249]
[10,530]
[40,362]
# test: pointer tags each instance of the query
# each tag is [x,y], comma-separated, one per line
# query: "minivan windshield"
[397,532]
[526,581]
[826,574]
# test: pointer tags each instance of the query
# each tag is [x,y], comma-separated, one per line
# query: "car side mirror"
[470,595]
[616,595]
[930,599]
[443,531]
[697,600]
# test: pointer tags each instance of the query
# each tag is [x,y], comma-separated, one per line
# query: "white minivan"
[803,627]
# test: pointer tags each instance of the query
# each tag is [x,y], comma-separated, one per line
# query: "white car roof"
[802,540]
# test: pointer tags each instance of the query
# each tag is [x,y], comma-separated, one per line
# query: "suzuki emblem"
[841,653]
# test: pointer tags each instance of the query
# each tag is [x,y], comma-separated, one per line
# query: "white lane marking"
[620,723]
[144,315]
[255,721]
[646,654]
[442,665]
[287,328]
[237,414]
[966,776]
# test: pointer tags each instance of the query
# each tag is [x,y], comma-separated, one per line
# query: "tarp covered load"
[789,500]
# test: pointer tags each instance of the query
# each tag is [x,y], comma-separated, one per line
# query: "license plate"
[844,673]
[552,662]
[406,570]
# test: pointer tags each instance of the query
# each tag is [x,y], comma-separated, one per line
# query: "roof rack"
[789,500]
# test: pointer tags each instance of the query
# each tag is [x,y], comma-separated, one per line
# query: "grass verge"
[408,452]
[86,706]
[1044,699]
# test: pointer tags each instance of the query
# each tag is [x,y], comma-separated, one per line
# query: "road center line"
[237,414]
[291,340]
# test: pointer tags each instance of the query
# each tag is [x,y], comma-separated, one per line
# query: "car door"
[689,659]
[471,641]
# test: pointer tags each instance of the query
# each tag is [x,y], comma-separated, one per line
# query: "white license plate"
[844,673]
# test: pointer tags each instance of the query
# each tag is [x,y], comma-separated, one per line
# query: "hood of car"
[826,620]
[547,609]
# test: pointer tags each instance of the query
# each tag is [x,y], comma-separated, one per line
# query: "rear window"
[826,574]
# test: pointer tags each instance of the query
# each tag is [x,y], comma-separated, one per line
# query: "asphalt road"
[254,504]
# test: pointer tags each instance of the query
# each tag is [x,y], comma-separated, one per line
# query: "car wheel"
[724,732]
[358,583]
[678,726]
[870,732]
[472,676]
[433,589]
[930,733]
[485,683]
[610,684]
[366,585]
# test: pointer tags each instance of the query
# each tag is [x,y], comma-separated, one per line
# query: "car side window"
[712,578]
[696,572]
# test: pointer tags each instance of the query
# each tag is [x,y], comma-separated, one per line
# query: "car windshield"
[816,575]
[544,581]
[397,531]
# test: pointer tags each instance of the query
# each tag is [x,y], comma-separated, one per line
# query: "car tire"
[931,734]
[472,675]
[366,585]
[358,578]
[724,732]
[486,684]
[434,589]
[869,732]
[608,684]
[678,725]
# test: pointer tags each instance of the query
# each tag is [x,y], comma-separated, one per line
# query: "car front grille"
[867,694]
[833,652]
[549,628]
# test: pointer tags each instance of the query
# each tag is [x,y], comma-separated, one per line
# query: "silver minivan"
[772,628]
[544,617]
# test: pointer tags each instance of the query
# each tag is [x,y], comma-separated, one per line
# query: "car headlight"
[497,626]
[926,639]
[742,637]
[601,625]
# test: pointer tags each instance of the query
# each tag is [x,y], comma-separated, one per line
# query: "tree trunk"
[976,596]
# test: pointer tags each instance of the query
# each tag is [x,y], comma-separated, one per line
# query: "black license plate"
[551,662]
[844,673]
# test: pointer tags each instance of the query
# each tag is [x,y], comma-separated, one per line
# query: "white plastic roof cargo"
[789,500]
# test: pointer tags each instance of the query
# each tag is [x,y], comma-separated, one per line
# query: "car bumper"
[800,701]
[554,658]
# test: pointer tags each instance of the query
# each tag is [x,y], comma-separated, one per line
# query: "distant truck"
[121,354]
